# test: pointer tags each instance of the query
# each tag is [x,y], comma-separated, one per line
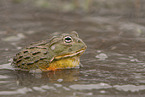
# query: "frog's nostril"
[79,41]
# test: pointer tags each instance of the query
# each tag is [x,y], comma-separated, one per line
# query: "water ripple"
[18,91]
[125,88]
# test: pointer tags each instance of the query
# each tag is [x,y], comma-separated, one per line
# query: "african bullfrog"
[60,52]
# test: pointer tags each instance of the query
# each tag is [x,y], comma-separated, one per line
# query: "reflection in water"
[23,82]
[28,79]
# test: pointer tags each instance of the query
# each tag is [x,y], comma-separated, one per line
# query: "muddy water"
[114,63]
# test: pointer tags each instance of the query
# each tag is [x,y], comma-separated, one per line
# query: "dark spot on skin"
[18,61]
[41,47]
[18,53]
[36,61]
[25,51]
[20,56]
[35,53]
[44,48]
[46,53]
[23,63]
[79,41]
[32,47]
[31,63]
[27,57]
[14,59]
[42,58]
[18,65]
[13,62]
[22,67]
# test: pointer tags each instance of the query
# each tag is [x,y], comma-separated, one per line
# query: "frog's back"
[36,53]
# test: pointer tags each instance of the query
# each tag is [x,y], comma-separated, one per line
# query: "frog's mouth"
[79,52]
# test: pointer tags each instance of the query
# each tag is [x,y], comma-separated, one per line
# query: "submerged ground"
[114,62]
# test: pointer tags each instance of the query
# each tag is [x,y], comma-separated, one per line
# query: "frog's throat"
[66,63]
[68,55]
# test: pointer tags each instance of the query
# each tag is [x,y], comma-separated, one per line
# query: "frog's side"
[62,51]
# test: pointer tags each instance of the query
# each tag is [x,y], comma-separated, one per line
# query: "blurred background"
[24,15]
[114,31]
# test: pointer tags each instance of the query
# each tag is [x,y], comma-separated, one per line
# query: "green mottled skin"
[40,55]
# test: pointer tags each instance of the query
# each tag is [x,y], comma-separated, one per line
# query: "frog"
[62,51]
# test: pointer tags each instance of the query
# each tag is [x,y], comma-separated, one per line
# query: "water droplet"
[19,48]
[103,91]
[60,80]
[102,56]
[6,49]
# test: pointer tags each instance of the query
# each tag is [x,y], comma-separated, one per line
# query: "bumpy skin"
[61,50]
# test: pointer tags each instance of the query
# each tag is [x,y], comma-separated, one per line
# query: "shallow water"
[113,64]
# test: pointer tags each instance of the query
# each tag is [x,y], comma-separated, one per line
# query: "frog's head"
[66,46]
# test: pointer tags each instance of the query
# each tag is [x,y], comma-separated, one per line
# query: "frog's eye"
[68,39]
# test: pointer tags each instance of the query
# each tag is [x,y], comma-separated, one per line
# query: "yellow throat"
[71,62]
